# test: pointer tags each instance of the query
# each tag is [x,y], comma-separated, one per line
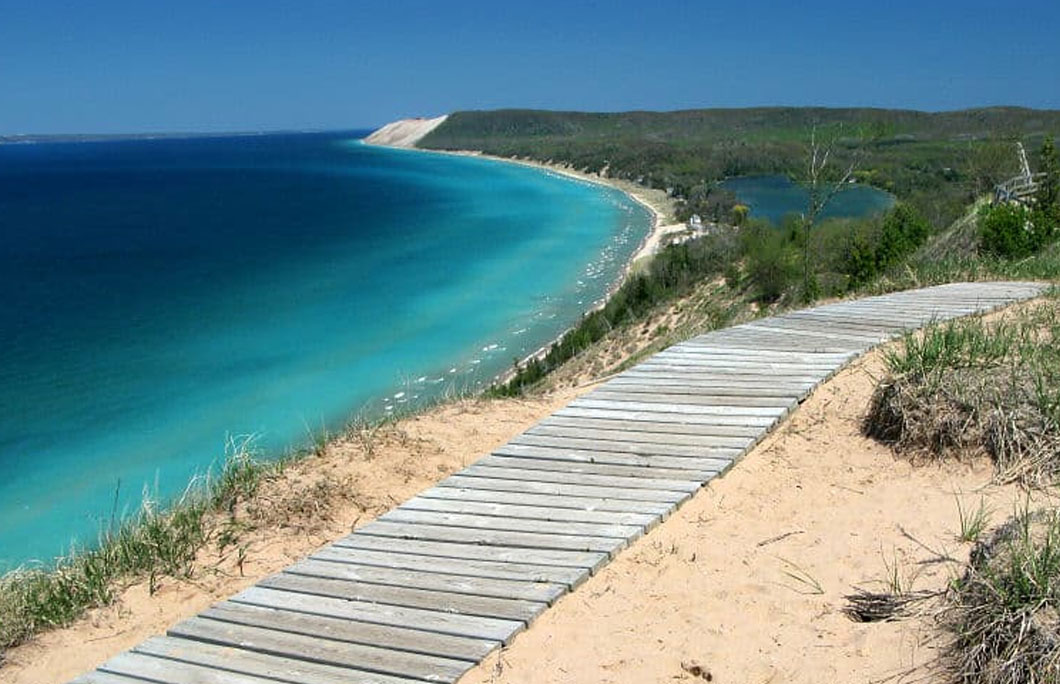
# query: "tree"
[824,182]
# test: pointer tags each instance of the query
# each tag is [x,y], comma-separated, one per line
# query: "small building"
[695,222]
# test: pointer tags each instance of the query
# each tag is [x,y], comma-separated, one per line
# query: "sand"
[746,582]
[405,133]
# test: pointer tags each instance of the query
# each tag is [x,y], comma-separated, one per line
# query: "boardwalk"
[429,589]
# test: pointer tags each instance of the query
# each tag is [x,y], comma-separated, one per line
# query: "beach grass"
[157,541]
[978,386]
[1003,614]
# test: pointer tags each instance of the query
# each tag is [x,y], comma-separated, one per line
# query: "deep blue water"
[772,197]
[162,295]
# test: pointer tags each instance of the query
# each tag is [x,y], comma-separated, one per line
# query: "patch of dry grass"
[970,387]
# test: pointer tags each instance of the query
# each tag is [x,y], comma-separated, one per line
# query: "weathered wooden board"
[448,602]
[488,522]
[561,489]
[523,572]
[687,418]
[508,510]
[169,671]
[292,670]
[320,650]
[661,396]
[530,540]
[581,503]
[595,433]
[642,470]
[336,629]
[432,580]
[572,446]
[618,425]
[431,620]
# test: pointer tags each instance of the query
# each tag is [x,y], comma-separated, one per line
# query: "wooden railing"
[1019,189]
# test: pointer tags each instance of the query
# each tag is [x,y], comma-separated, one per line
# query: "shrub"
[772,261]
[1007,230]
[1004,613]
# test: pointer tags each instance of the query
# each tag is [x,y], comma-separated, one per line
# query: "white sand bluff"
[404,133]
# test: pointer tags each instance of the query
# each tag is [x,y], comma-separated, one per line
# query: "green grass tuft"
[1004,613]
[153,543]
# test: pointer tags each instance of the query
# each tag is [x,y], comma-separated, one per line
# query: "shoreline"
[648,246]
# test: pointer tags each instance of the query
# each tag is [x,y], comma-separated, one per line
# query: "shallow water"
[162,295]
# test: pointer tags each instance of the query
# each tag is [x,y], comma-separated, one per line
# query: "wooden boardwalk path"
[427,590]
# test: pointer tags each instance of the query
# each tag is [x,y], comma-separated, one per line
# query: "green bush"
[874,248]
[1007,230]
[772,261]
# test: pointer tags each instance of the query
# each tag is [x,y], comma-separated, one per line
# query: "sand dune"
[404,133]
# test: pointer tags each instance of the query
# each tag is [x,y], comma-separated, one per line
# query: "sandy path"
[716,585]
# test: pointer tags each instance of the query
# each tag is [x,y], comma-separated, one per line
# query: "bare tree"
[825,179]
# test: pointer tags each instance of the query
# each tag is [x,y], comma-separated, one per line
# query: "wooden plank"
[575,467]
[290,670]
[801,330]
[787,339]
[560,489]
[720,373]
[766,415]
[441,533]
[718,460]
[100,677]
[713,389]
[523,572]
[447,602]
[384,636]
[382,614]
[576,503]
[492,523]
[719,352]
[667,417]
[357,657]
[642,520]
[826,321]
[692,361]
[430,580]
[572,446]
[660,395]
[696,361]
[124,666]
[552,430]
[621,425]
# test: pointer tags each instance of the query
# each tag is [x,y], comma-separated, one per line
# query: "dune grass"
[970,386]
[1003,614]
[152,543]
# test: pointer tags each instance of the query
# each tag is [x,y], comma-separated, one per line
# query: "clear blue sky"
[147,65]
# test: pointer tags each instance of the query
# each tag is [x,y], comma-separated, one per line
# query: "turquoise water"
[773,197]
[163,295]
